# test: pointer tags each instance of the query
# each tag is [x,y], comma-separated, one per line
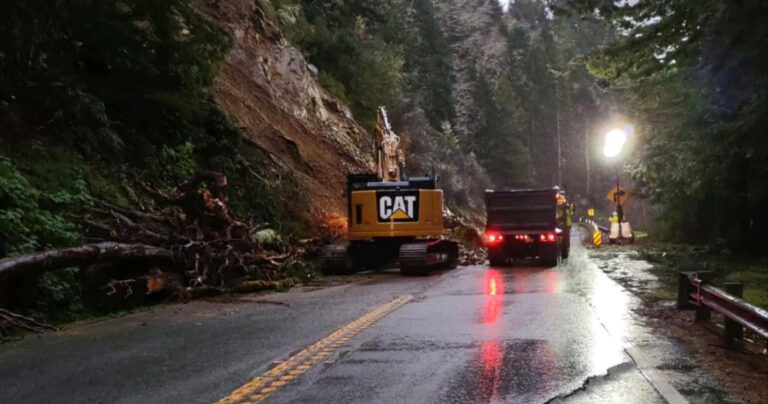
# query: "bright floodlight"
[614,142]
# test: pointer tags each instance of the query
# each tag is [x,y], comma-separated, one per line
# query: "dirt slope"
[268,88]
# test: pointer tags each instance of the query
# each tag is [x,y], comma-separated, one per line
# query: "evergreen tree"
[696,74]
[429,64]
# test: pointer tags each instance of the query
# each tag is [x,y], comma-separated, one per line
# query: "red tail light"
[548,238]
[493,237]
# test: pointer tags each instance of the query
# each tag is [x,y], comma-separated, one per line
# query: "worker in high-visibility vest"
[614,217]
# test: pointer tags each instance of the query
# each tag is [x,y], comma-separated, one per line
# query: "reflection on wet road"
[504,367]
[520,334]
[494,290]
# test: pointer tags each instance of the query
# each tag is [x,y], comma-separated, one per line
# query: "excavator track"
[337,259]
[421,257]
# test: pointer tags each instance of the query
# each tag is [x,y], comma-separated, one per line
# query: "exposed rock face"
[269,89]
[473,30]
[267,86]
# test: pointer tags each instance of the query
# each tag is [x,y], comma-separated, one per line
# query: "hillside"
[266,85]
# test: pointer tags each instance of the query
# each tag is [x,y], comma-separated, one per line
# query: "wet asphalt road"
[471,335]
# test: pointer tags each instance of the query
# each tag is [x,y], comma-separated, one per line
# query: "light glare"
[614,142]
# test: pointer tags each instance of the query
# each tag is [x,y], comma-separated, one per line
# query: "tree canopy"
[694,75]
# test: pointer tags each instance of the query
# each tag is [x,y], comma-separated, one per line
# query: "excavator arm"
[390,158]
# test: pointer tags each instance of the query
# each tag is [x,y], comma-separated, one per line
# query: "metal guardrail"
[694,293]
[591,222]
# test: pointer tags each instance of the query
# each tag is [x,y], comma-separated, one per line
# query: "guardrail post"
[734,332]
[684,291]
[703,313]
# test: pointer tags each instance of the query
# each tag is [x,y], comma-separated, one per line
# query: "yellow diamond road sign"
[591,212]
[619,192]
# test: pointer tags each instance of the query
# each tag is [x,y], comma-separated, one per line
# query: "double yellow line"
[272,380]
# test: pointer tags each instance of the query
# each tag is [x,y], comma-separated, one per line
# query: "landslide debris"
[190,246]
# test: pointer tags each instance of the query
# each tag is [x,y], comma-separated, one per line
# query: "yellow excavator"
[391,217]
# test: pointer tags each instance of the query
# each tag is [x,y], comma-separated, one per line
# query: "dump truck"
[527,223]
[391,217]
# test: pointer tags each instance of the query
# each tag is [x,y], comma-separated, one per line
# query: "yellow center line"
[262,386]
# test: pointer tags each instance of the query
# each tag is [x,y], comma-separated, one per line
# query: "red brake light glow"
[548,238]
[493,237]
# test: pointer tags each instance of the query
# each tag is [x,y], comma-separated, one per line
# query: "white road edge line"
[644,365]
[653,376]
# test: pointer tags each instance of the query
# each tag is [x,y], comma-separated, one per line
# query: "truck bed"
[528,210]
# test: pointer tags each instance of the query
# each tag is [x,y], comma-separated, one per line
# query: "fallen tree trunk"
[24,322]
[83,256]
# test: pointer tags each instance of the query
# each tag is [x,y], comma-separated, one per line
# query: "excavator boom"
[390,158]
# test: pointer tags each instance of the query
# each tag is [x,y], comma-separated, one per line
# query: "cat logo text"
[398,206]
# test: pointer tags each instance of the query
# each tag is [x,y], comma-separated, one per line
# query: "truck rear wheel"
[548,257]
[549,260]
[496,258]
[565,246]
[497,261]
